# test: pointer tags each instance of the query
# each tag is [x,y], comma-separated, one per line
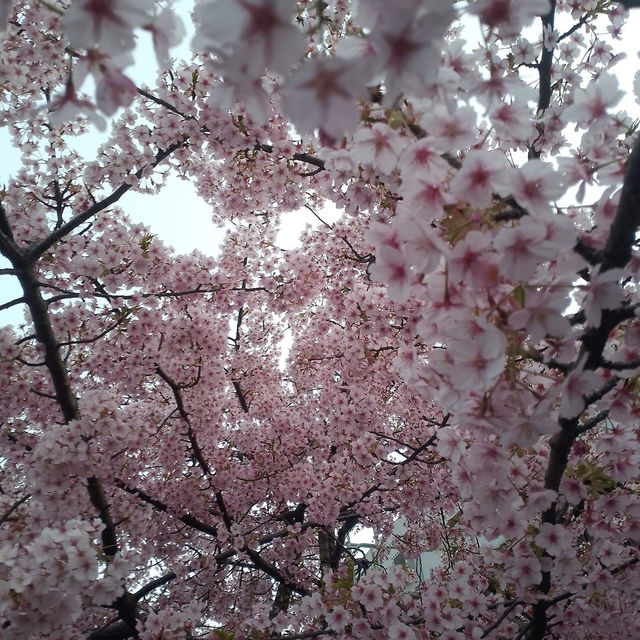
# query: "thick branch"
[5,516]
[153,585]
[300,157]
[46,337]
[622,233]
[272,571]
[617,254]
[158,505]
[65,397]
[12,303]
[544,66]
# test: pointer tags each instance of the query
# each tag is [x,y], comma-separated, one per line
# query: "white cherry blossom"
[322,94]
[107,25]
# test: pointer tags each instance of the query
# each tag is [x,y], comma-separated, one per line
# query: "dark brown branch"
[272,571]
[544,66]
[193,440]
[188,519]
[12,303]
[545,89]
[585,426]
[162,103]
[622,233]
[45,336]
[36,249]
[152,586]
[64,394]
[7,514]
[300,157]
[625,565]
[591,255]
[582,21]
[602,392]
[241,396]
[617,254]
[620,366]
[5,227]
[99,501]
[500,618]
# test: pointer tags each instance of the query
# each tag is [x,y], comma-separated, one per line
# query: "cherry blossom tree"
[196,446]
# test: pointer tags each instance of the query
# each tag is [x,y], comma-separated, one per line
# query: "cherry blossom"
[479,358]
[603,291]
[107,25]
[542,315]
[113,91]
[508,16]
[262,28]
[534,185]
[404,46]
[552,538]
[419,421]
[519,256]
[451,129]
[577,385]
[69,104]
[378,146]
[322,95]
[591,104]
[167,31]
[482,174]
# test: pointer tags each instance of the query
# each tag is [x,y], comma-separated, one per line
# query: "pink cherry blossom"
[451,129]
[262,435]
[483,174]
[423,159]
[322,94]
[552,538]
[380,146]
[400,631]
[603,291]
[591,104]
[512,121]
[114,90]
[508,16]
[167,31]
[107,25]
[337,618]
[69,105]
[472,257]
[518,249]
[542,315]
[535,185]
[261,28]
[369,595]
[404,46]
[479,358]
[577,385]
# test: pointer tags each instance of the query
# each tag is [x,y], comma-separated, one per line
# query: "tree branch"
[158,505]
[544,66]
[5,516]
[193,440]
[36,249]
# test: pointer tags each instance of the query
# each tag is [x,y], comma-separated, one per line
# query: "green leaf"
[519,295]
